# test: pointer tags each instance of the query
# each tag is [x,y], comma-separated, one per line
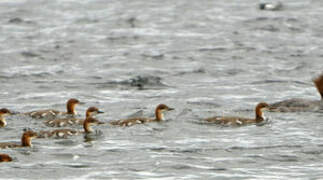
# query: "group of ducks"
[54,118]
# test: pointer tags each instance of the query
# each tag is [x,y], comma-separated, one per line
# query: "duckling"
[3,112]
[238,121]
[301,105]
[26,138]
[87,123]
[159,116]
[51,113]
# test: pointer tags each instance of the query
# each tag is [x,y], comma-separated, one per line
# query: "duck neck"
[319,85]
[88,114]
[259,115]
[87,127]
[71,109]
[159,115]
[26,141]
[3,122]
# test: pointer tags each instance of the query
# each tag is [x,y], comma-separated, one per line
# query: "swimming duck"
[70,121]
[159,116]
[5,158]
[87,123]
[238,121]
[26,138]
[299,105]
[50,113]
[3,113]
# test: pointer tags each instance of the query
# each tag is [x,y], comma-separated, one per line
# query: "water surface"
[203,58]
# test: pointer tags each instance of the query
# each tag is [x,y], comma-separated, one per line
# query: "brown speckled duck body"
[301,105]
[51,113]
[87,126]
[159,116]
[239,121]
[64,122]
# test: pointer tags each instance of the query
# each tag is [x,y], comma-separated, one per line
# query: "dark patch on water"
[77,165]
[313,152]
[181,167]
[121,38]
[139,82]
[66,142]
[114,150]
[16,20]
[164,149]
[200,70]
[132,21]
[269,28]
[279,82]
[221,49]
[29,54]
[218,169]
[262,147]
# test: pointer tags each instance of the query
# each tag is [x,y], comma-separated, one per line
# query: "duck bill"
[171,109]
[36,135]
[100,112]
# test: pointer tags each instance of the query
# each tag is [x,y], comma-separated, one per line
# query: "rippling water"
[204,58]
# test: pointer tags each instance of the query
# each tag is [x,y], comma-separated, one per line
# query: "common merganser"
[301,105]
[238,121]
[26,138]
[50,113]
[3,112]
[159,116]
[64,133]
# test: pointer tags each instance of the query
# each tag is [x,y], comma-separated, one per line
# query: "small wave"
[15,20]
[278,82]
[77,165]
[164,149]
[66,142]
[203,101]
[116,38]
[18,20]
[29,54]
[262,147]
[270,28]
[153,55]
[221,49]
[313,152]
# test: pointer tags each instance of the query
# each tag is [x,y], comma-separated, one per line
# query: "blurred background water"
[203,58]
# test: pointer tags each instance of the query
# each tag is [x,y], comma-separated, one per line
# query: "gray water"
[203,58]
